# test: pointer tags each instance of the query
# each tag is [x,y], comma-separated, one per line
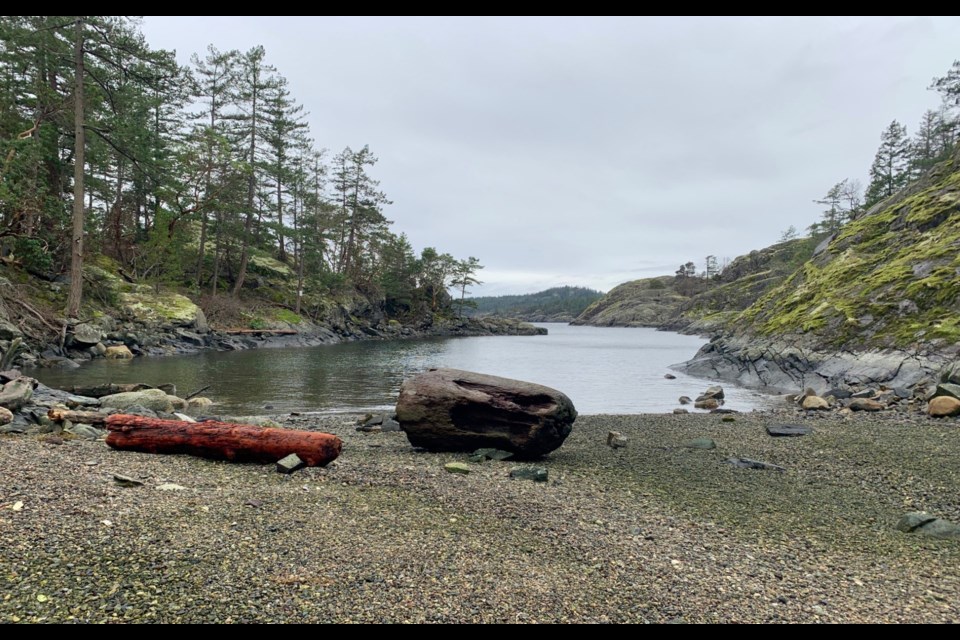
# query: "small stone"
[57,440]
[476,458]
[746,463]
[182,417]
[537,474]
[457,467]
[814,403]
[701,443]
[616,440]
[864,404]
[255,504]
[169,486]
[685,400]
[91,463]
[670,376]
[6,416]
[86,431]
[390,426]
[728,419]
[126,481]
[118,352]
[788,431]
[17,506]
[290,464]
[366,428]
[707,403]
[865,393]
[678,411]
[493,454]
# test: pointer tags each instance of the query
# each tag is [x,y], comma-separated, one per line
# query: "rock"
[200,324]
[920,522]
[390,425]
[708,403]
[537,474]
[137,410]
[126,481]
[9,331]
[701,443]
[864,404]
[452,410]
[476,458]
[456,467]
[118,352]
[199,403]
[191,338]
[713,392]
[17,393]
[814,403]
[726,418]
[685,400]
[865,393]
[746,463]
[179,404]
[8,375]
[903,393]
[168,388]
[670,376]
[493,454]
[722,410]
[100,349]
[839,394]
[85,431]
[788,431]
[679,411]
[86,335]
[290,463]
[943,406]
[182,417]
[370,428]
[6,416]
[153,399]
[169,486]
[947,389]
[616,440]
[372,421]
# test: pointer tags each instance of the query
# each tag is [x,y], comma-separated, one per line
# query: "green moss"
[285,315]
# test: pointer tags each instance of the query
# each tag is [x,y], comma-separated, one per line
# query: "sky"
[592,151]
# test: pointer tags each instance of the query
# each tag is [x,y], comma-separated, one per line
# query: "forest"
[186,175]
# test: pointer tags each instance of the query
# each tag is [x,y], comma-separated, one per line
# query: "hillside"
[558,304]
[879,302]
[648,302]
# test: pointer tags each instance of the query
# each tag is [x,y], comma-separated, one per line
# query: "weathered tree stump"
[220,440]
[94,418]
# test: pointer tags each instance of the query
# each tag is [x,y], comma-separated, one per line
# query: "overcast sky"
[591,151]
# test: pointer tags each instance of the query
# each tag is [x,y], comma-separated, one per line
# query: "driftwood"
[193,395]
[94,418]
[220,440]
[273,332]
[107,389]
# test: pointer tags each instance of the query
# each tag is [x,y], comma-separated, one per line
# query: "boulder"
[9,331]
[943,406]
[86,335]
[17,393]
[679,411]
[290,463]
[685,400]
[707,403]
[814,402]
[669,376]
[152,399]
[199,403]
[865,404]
[616,440]
[921,522]
[453,410]
[118,352]
[712,392]
[947,389]
[200,324]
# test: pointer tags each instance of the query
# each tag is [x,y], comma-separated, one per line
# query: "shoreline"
[655,532]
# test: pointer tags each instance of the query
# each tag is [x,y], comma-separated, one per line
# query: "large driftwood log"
[220,440]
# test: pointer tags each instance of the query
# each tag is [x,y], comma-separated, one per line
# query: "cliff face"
[878,303]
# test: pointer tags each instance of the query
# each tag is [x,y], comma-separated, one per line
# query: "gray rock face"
[453,410]
[9,331]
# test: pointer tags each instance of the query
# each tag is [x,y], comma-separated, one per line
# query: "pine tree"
[889,172]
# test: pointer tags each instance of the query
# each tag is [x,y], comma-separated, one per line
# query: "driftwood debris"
[106,389]
[193,395]
[93,418]
[220,440]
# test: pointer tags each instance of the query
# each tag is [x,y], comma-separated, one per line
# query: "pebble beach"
[654,532]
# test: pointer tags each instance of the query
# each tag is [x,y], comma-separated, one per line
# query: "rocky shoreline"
[662,529]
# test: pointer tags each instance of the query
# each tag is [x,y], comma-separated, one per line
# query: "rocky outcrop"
[640,303]
[453,410]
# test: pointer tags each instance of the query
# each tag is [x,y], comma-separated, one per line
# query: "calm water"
[603,370]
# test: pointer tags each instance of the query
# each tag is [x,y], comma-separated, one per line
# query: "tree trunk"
[107,389]
[220,440]
[76,259]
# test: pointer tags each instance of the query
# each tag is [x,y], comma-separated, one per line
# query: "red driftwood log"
[220,440]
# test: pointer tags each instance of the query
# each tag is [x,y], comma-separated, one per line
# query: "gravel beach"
[655,532]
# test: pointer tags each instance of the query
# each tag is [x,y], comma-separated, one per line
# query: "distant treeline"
[552,302]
